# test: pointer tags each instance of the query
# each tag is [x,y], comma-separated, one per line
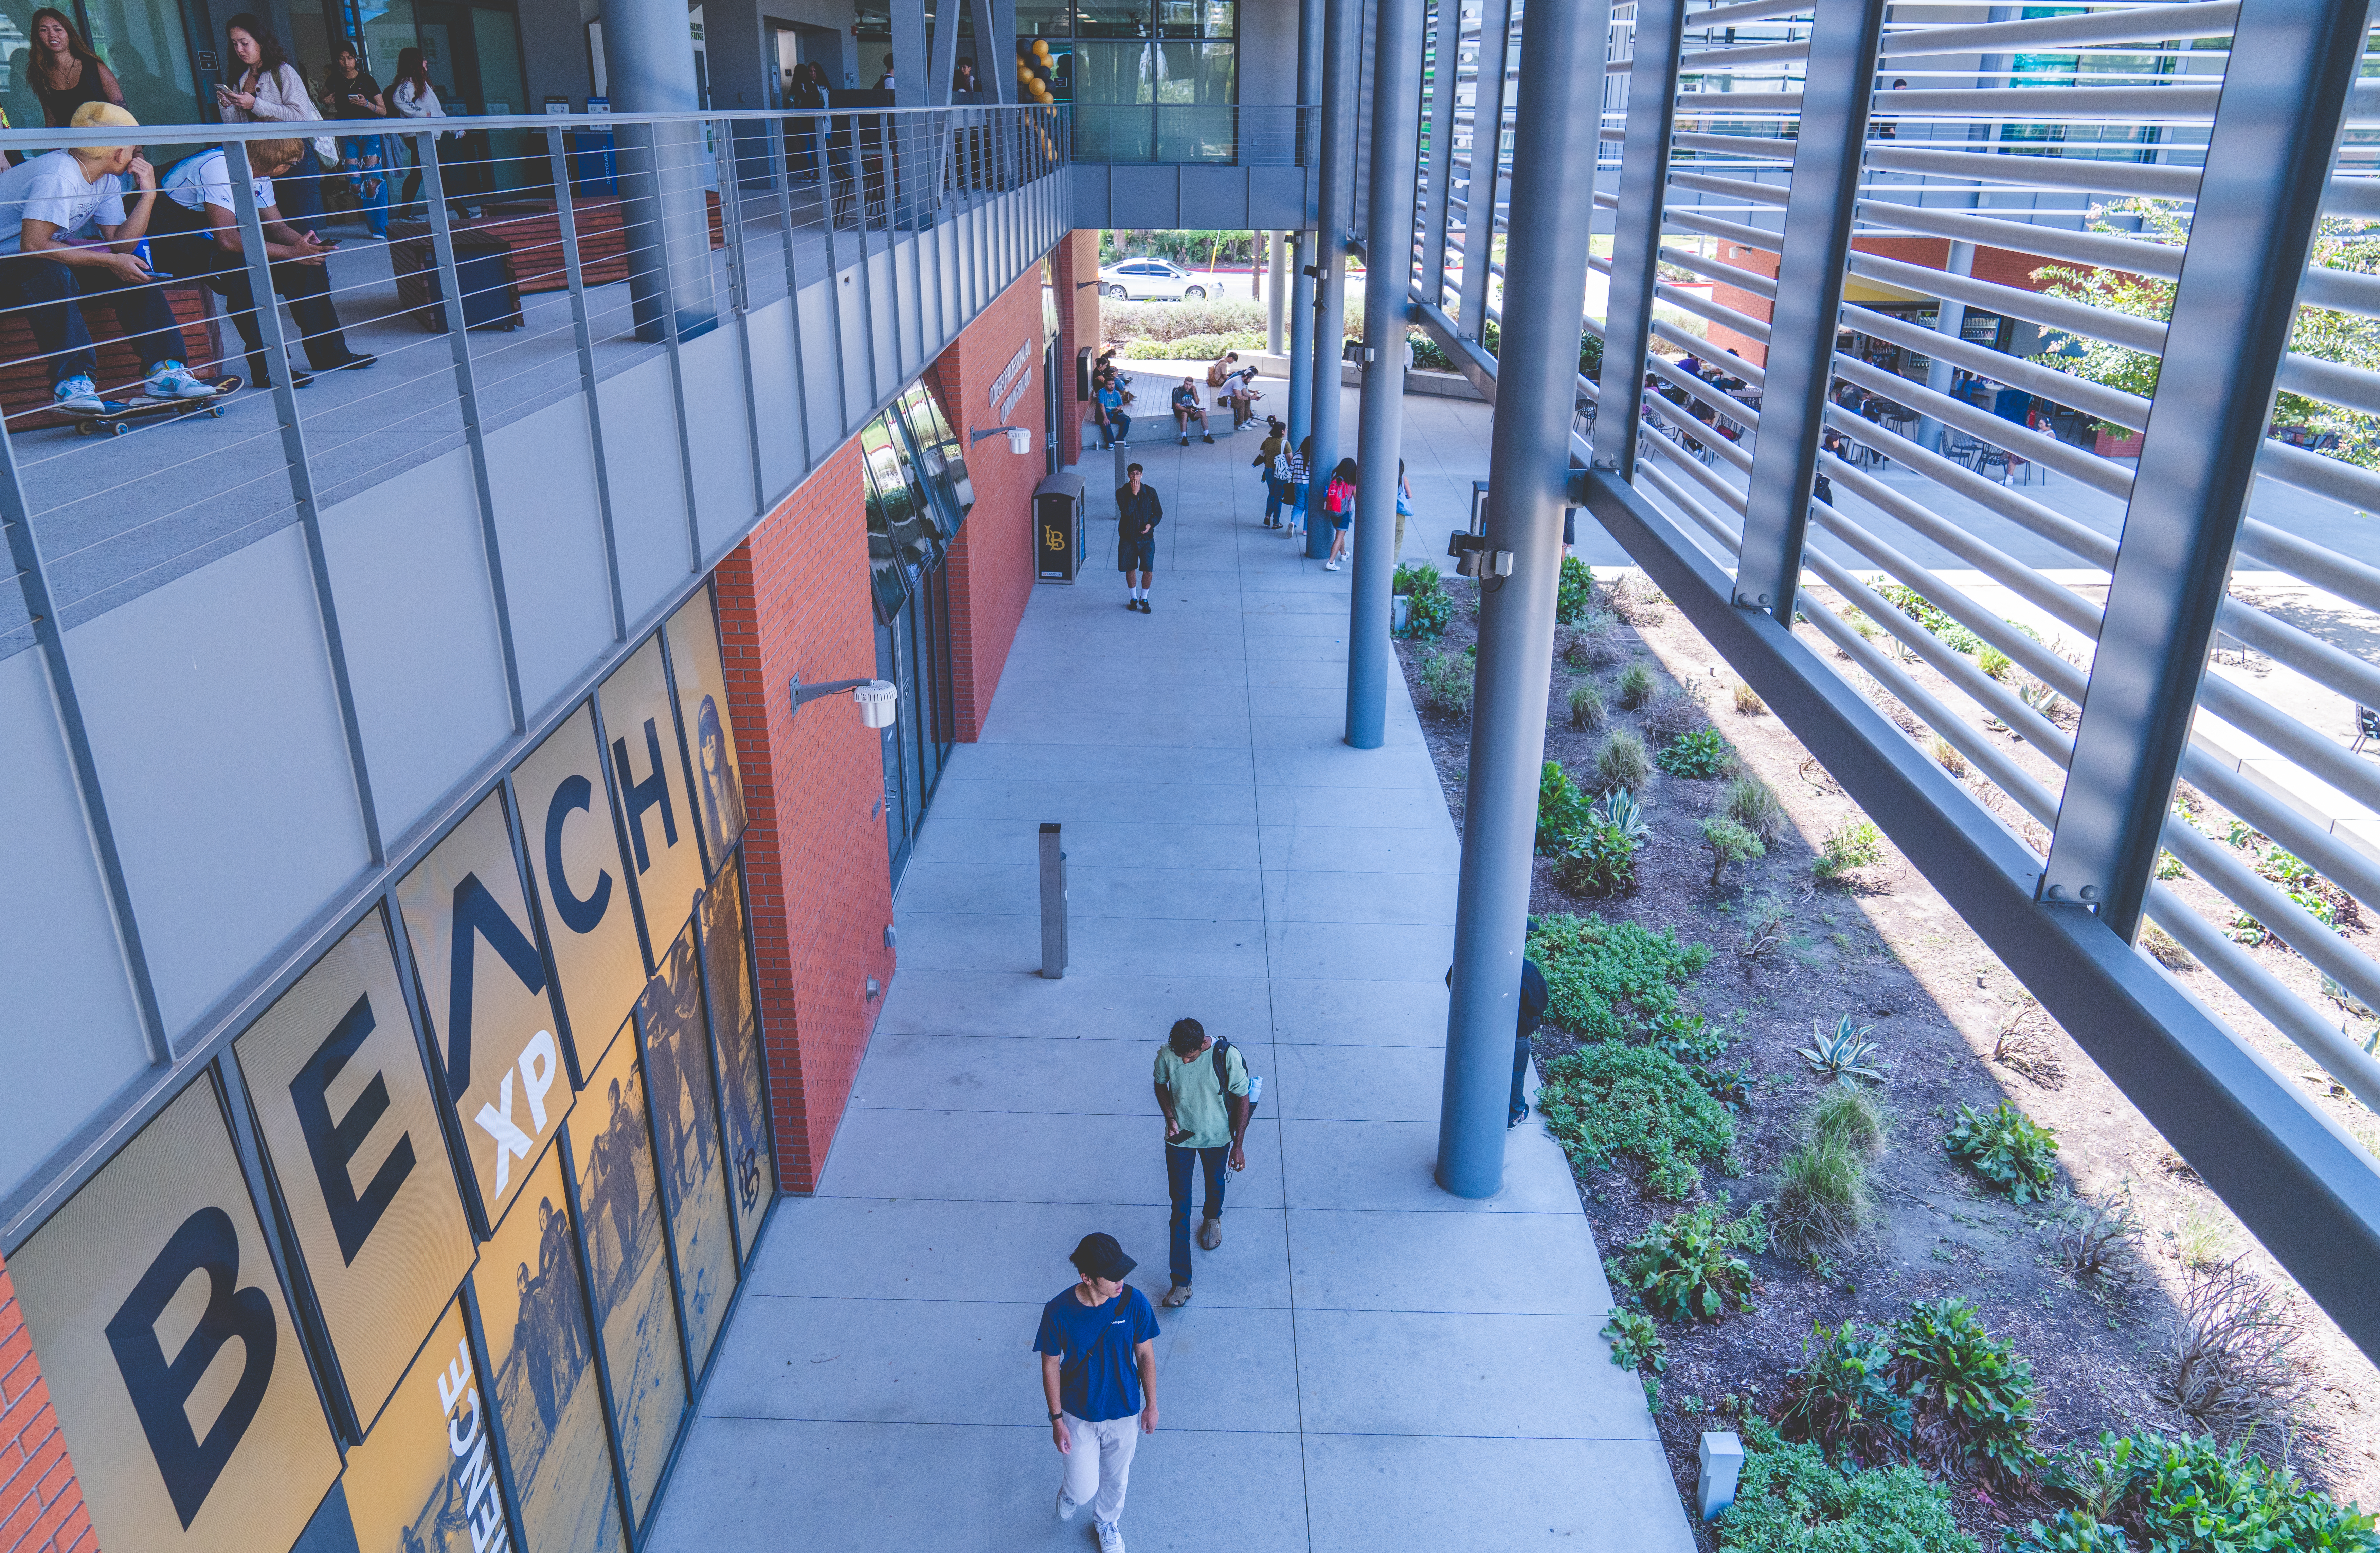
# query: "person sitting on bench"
[1186,409]
[200,237]
[45,199]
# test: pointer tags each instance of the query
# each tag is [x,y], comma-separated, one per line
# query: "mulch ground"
[1887,950]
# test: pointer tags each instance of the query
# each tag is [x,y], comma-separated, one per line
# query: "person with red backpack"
[1339,501]
[1204,1090]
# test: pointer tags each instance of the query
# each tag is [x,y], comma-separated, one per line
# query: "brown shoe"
[1177,1296]
[1210,1233]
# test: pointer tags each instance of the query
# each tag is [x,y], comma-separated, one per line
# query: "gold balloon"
[1040,49]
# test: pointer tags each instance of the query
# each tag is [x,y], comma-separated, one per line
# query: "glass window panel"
[1094,18]
[144,45]
[889,578]
[1114,73]
[1045,19]
[736,1029]
[534,1318]
[1206,74]
[1222,18]
[1178,18]
[686,1125]
[627,1265]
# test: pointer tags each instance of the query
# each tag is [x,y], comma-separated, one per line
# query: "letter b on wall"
[178,1380]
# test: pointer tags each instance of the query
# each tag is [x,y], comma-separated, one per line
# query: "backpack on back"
[1223,1078]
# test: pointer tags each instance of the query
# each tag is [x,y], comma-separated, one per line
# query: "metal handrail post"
[1555,147]
[583,337]
[782,180]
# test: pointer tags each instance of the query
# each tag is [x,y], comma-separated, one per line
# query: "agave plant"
[1620,809]
[1846,1055]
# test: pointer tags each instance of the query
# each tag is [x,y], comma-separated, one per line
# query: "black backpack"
[1223,1078]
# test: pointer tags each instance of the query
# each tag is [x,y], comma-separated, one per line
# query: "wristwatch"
[1054,1417]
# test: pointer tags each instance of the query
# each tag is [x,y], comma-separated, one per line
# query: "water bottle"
[1255,1089]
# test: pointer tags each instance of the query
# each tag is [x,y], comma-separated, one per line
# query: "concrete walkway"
[1368,1364]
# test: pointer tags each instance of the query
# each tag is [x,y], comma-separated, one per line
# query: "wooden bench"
[25,393]
[531,231]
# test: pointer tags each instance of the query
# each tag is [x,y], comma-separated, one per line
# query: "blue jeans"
[1177,1178]
[52,295]
[1519,1080]
[366,160]
[1119,427]
[1276,493]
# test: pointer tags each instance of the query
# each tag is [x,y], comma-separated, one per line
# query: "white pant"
[1099,1464]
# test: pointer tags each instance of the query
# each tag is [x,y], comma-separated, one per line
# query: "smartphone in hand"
[1176,1134]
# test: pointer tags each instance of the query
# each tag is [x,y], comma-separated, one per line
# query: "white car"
[1147,280]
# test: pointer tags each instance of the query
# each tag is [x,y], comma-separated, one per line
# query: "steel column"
[1555,145]
[590,390]
[651,70]
[1396,115]
[1487,151]
[1446,43]
[1949,318]
[1301,337]
[1341,21]
[2268,158]
[1276,288]
[910,86]
[1636,233]
[1809,297]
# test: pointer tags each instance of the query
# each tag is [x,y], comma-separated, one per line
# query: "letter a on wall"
[180,1385]
[351,1124]
[484,988]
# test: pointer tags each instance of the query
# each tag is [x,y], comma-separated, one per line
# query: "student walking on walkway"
[1203,1090]
[1138,512]
[1099,1380]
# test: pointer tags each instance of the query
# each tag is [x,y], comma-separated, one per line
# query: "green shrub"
[1686,1267]
[2193,1495]
[1791,1500]
[1574,597]
[1428,607]
[1597,862]
[1621,762]
[1562,809]
[2006,1148]
[1821,1196]
[1753,803]
[1855,844]
[1635,685]
[1847,1118]
[1181,321]
[1993,662]
[1686,1036]
[1913,604]
[1609,1100]
[1841,1396]
[1585,707]
[1446,683]
[1635,1342]
[1971,1393]
[1609,979]
[1703,752]
[1845,1054]
[1729,843]
[2069,1531]
[1193,348]
[1428,354]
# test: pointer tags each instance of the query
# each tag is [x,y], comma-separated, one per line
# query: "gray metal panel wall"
[720,438]
[542,475]
[647,485]
[776,402]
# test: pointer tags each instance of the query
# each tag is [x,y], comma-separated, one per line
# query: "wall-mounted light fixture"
[876,697]
[1020,438]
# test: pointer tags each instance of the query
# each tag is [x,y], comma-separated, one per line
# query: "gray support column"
[1396,114]
[1341,22]
[908,54]
[995,48]
[1636,232]
[648,63]
[1948,321]
[1446,42]
[1276,288]
[2268,157]
[1528,480]
[1301,338]
[942,58]
[1809,301]
[1487,148]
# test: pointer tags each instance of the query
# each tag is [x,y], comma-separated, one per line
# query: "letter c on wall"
[579,916]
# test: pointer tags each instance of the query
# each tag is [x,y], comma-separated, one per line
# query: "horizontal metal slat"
[2055,312]
[2089,175]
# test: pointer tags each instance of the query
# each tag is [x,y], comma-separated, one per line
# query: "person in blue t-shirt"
[1098,1374]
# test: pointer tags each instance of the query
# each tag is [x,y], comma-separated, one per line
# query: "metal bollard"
[1054,905]
[1722,1463]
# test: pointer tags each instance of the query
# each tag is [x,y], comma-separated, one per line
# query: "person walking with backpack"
[1098,1382]
[1338,501]
[1269,466]
[1202,1087]
[1294,500]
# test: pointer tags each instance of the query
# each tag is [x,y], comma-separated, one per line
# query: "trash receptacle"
[1060,541]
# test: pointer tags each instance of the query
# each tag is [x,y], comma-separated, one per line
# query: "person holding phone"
[413,97]
[351,94]
[1205,1107]
[272,88]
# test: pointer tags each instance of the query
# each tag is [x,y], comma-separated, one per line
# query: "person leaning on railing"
[200,236]
[43,201]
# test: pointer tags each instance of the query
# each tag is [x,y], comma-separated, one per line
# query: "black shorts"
[1136,556]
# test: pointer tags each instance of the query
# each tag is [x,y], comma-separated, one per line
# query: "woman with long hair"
[64,72]
[410,95]
[810,94]
[351,94]
[272,88]
[1338,505]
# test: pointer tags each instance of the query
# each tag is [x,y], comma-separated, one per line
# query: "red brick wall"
[991,566]
[1760,262]
[1999,265]
[1075,264]
[794,598]
[40,1502]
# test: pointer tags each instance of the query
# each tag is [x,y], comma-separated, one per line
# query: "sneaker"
[1132,604]
[1186,441]
[1111,1537]
[1176,1297]
[1066,1507]
[171,380]
[78,395]
[1210,1233]
[1330,566]
[1144,606]
[1210,437]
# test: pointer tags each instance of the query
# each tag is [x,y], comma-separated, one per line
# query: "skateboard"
[116,419]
